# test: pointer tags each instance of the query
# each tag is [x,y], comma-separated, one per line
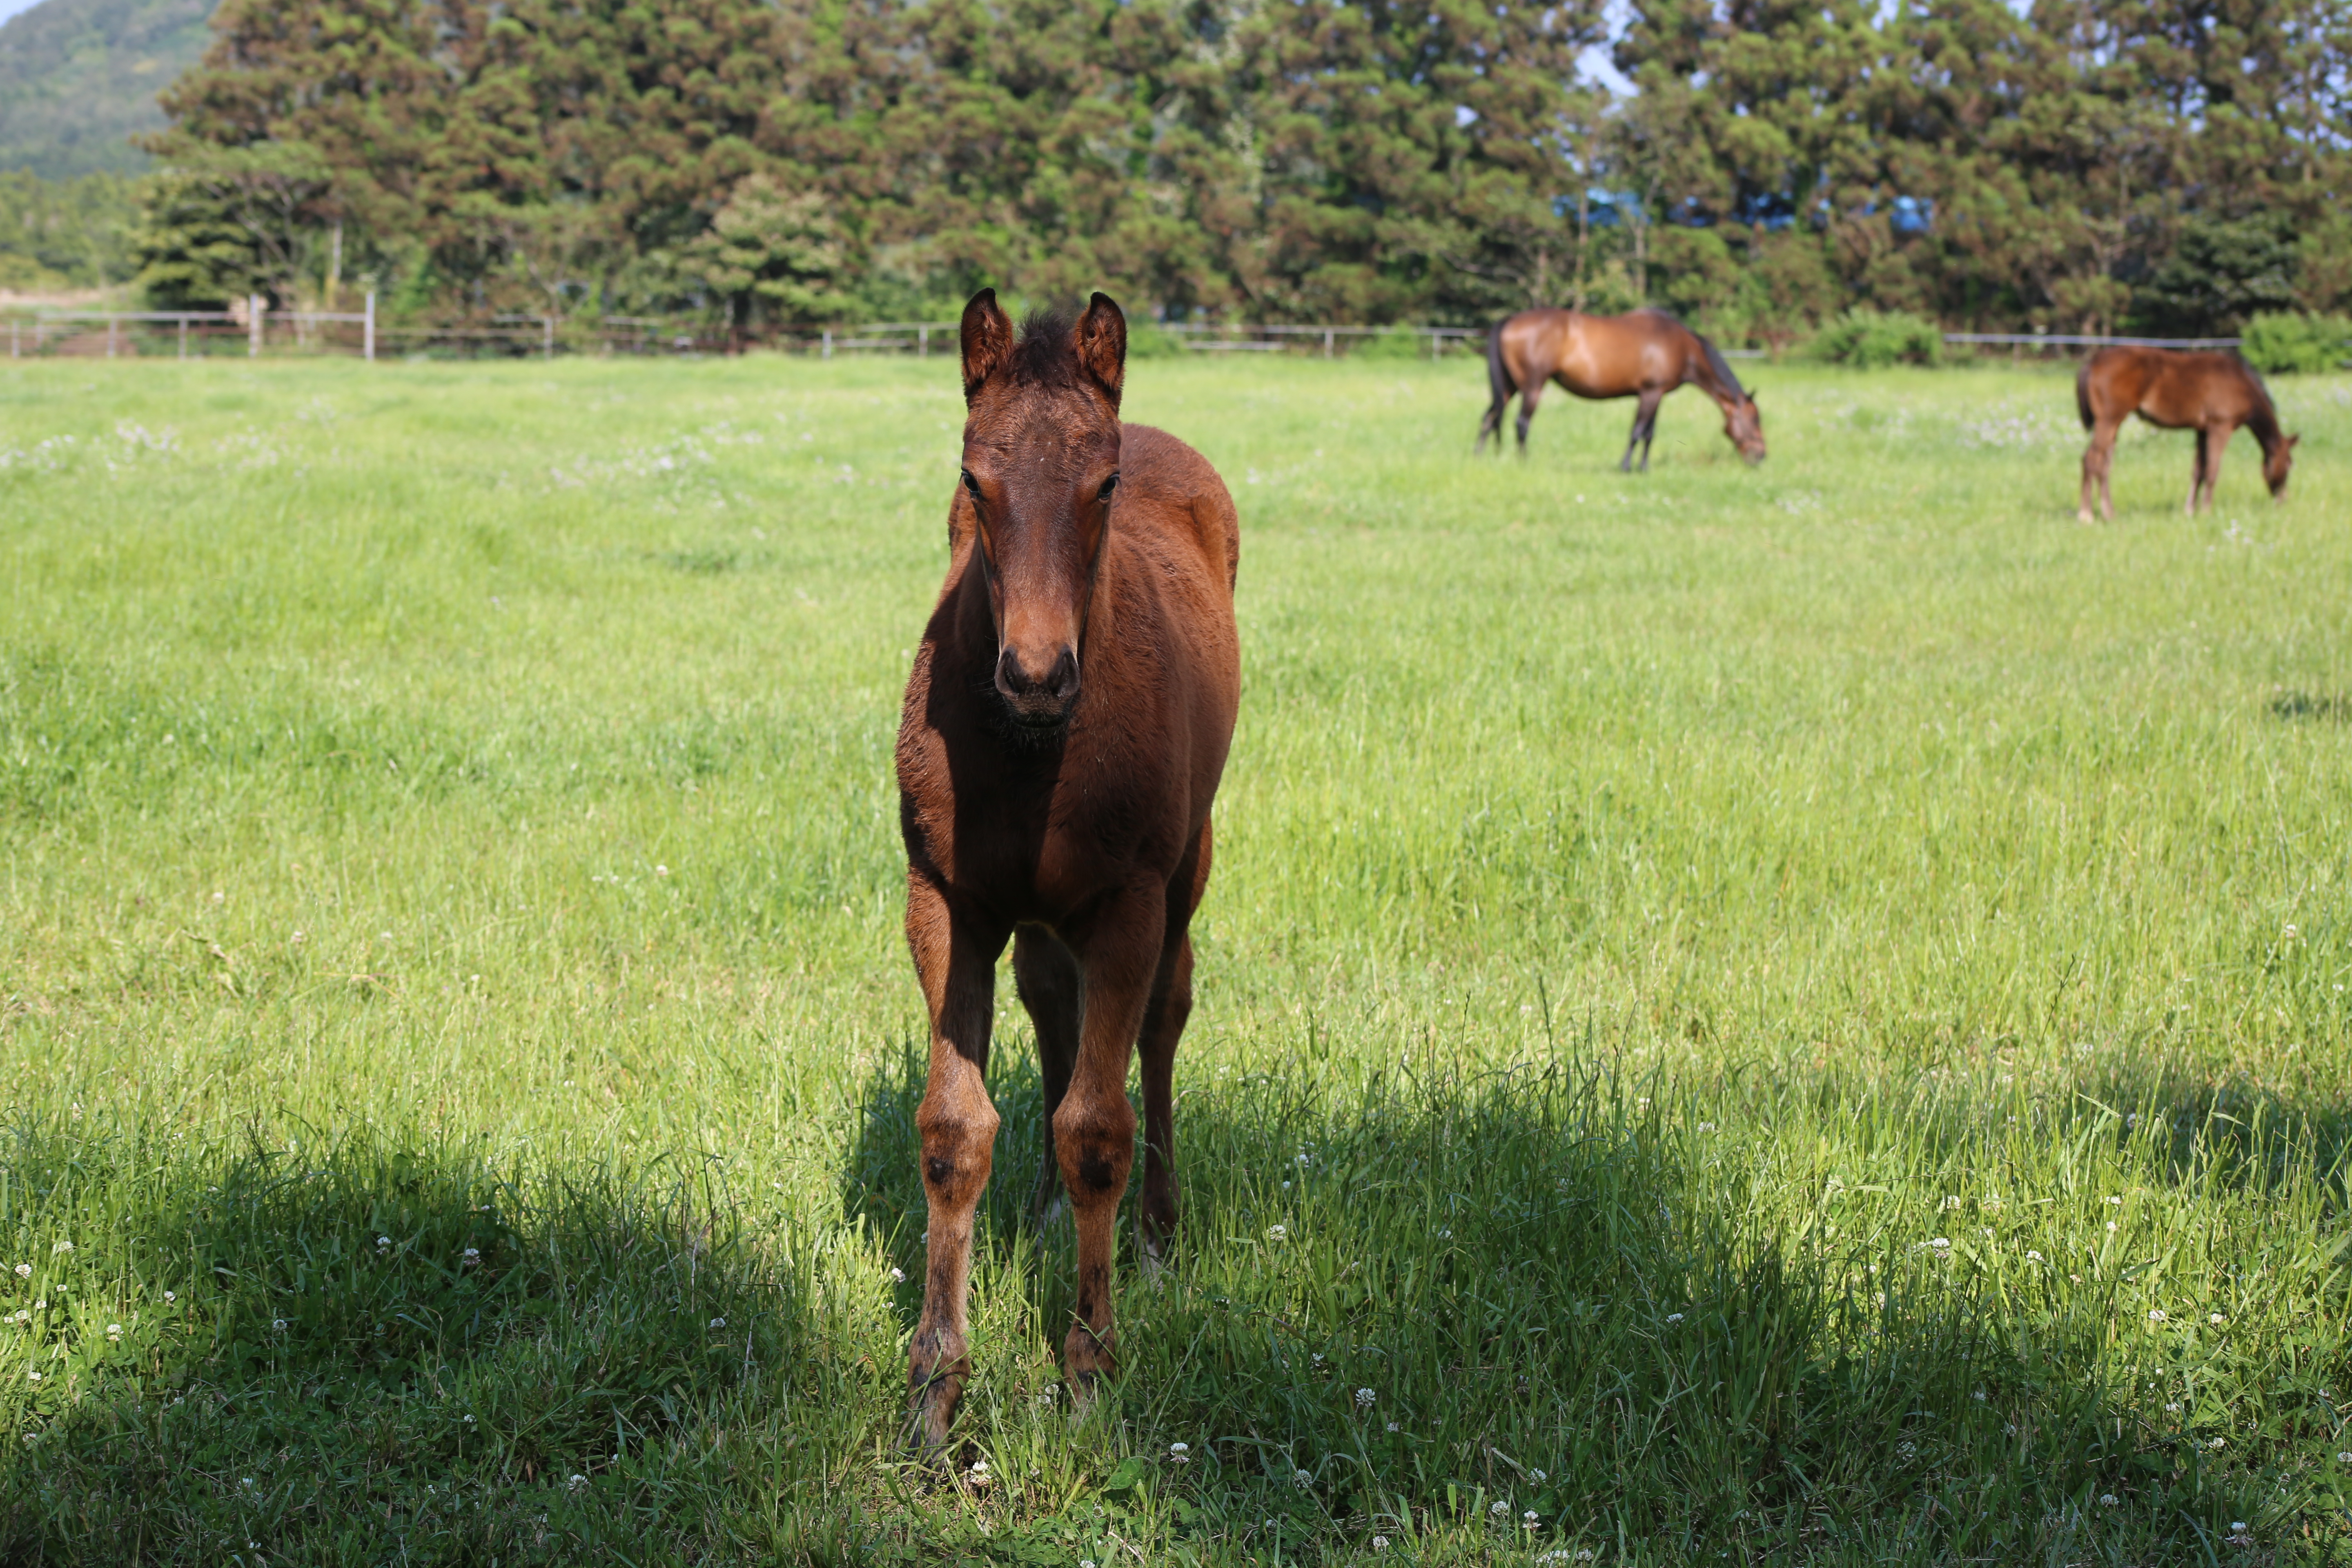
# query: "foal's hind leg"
[2213,443]
[1046,976]
[1527,398]
[1163,1026]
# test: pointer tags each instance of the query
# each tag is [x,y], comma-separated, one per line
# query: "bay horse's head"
[2278,457]
[1041,444]
[1744,425]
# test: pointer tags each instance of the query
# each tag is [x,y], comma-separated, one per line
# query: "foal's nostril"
[1063,683]
[1059,683]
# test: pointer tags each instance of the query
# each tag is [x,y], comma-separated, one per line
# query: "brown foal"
[2211,392]
[1063,732]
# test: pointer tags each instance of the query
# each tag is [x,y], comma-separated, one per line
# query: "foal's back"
[2174,389]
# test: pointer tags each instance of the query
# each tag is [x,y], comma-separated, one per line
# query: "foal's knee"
[958,1144]
[1093,1141]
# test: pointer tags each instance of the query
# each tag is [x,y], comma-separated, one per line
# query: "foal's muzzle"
[1039,699]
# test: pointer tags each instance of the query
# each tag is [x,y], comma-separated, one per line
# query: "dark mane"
[1722,371]
[1043,356]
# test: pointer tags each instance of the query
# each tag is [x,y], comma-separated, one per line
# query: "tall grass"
[1730,1003]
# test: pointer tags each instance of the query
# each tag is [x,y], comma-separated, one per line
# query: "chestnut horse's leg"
[1163,1026]
[956,963]
[1093,1129]
[1046,975]
[2212,443]
[1491,424]
[2096,458]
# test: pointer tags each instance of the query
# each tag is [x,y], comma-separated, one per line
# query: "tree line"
[2088,165]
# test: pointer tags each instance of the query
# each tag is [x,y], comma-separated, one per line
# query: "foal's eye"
[972,484]
[1109,485]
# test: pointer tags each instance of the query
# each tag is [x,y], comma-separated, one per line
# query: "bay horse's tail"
[1498,383]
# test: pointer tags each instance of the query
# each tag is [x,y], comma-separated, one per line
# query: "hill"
[78,79]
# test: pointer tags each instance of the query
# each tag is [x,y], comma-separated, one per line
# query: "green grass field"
[1779,1016]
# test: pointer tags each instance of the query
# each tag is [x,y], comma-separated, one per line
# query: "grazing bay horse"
[1063,732]
[1645,354]
[2211,392]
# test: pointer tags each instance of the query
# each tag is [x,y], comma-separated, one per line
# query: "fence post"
[547,336]
[113,330]
[367,329]
[922,342]
[253,326]
[1327,342]
[828,342]
[12,351]
[183,337]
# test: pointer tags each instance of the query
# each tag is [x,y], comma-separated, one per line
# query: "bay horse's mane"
[1715,360]
[2264,424]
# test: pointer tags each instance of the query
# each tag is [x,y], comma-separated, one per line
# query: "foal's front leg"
[957,1123]
[1094,1128]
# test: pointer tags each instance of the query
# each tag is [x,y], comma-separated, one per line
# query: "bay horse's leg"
[1528,395]
[957,1123]
[1645,414]
[1650,424]
[1046,976]
[1492,423]
[1093,1129]
[1163,1026]
[2197,472]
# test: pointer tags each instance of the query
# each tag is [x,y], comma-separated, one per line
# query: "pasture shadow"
[2316,708]
[1553,1302]
[368,1349]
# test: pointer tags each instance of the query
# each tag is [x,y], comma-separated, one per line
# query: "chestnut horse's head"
[2278,457]
[1744,425]
[1041,444]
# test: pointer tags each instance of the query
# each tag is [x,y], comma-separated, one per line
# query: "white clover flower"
[114,1330]
[170,1297]
[1380,1544]
[23,1271]
[60,1247]
[979,1469]
[2155,1314]
[2032,1257]
[1941,1243]
[1584,1554]
[577,1482]
[1500,1509]
[1393,1425]
[718,1322]
[1301,1479]
[1537,1476]
[2216,1442]
[472,1254]
[1674,1317]
[2345,1457]
[32,1376]
[245,1480]
[2117,1202]
[2172,1409]
[2237,1526]
[470,1421]
[278,1323]
[1706,1126]
[1529,1517]
[897,1277]
[2217,1319]
[1445,1235]
[1364,1396]
[1277,1233]
[2107,1499]
[1181,1452]
[1979,1396]
[2111,1225]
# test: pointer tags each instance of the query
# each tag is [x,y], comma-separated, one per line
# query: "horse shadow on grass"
[367,1349]
[1552,1299]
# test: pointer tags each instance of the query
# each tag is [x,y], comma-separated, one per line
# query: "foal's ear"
[1101,342]
[987,341]
[2292,439]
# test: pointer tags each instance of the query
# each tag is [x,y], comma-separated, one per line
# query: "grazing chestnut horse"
[1064,728]
[1645,354]
[2211,392]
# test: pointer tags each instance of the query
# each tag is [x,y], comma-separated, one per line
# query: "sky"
[10,7]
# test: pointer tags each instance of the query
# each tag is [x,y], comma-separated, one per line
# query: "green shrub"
[1146,339]
[2296,340]
[1868,339]
[1397,343]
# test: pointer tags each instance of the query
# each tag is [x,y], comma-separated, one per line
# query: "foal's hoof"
[1086,1365]
[930,1411]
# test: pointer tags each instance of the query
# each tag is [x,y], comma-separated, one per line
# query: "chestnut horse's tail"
[2082,394]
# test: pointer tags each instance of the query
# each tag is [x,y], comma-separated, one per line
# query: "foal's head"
[1041,447]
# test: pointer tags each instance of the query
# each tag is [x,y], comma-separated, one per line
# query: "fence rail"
[2074,340]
